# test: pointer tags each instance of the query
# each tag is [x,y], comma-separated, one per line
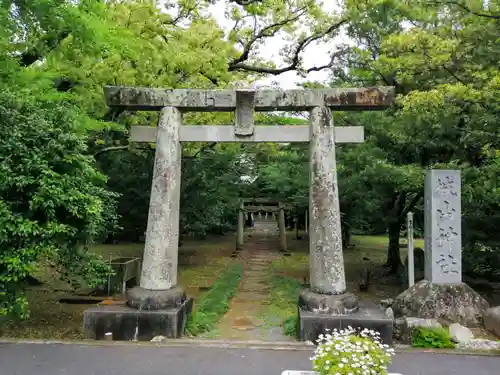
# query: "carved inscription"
[445,186]
[447,235]
[443,228]
[209,100]
[447,212]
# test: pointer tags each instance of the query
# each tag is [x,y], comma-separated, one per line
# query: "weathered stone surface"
[338,304]
[158,339]
[443,233]
[404,327]
[159,265]
[262,133]
[389,312]
[479,344]
[312,324]
[456,303]
[419,265]
[491,319]
[385,303]
[245,101]
[128,324]
[144,299]
[138,98]
[459,333]
[327,275]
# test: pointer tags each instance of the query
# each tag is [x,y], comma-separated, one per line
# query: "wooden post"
[411,259]
[282,228]
[241,227]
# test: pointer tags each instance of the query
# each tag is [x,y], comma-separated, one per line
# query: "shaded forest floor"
[201,262]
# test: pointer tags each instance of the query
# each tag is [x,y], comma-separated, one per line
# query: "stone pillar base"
[321,312]
[127,324]
[337,304]
[145,299]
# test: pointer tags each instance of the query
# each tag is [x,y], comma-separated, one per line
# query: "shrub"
[351,352]
[431,338]
[481,260]
[53,202]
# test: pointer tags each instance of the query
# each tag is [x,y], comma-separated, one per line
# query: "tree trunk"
[297,236]
[346,238]
[393,253]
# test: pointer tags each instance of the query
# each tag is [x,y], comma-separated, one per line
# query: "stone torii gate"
[255,205]
[158,290]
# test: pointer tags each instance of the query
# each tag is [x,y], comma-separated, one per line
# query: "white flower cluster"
[349,352]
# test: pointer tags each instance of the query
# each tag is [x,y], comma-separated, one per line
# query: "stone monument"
[159,306]
[442,295]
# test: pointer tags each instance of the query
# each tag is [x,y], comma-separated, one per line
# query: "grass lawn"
[200,265]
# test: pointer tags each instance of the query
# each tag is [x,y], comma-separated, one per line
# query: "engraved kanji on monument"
[443,233]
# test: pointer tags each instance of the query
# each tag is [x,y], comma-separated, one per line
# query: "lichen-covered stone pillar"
[240,231]
[159,265]
[282,228]
[327,294]
[326,259]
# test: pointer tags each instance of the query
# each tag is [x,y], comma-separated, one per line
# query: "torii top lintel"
[194,100]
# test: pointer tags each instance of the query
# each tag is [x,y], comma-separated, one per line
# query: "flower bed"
[349,352]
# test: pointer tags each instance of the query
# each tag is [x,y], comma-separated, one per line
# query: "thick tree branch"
[109,149]
[215,81]
[295,60]
[246,2]
[112,114]
[448,70]
[267,31]
[208,146]
[412,204]
[47,43]
[467,9]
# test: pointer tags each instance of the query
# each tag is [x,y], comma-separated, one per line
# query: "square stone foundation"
[311,324]
[128,324]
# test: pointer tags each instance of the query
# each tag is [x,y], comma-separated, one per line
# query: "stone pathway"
[243,320]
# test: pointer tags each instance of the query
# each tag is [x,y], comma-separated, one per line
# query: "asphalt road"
[74,359]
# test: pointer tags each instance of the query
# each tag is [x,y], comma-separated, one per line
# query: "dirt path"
[242,321]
